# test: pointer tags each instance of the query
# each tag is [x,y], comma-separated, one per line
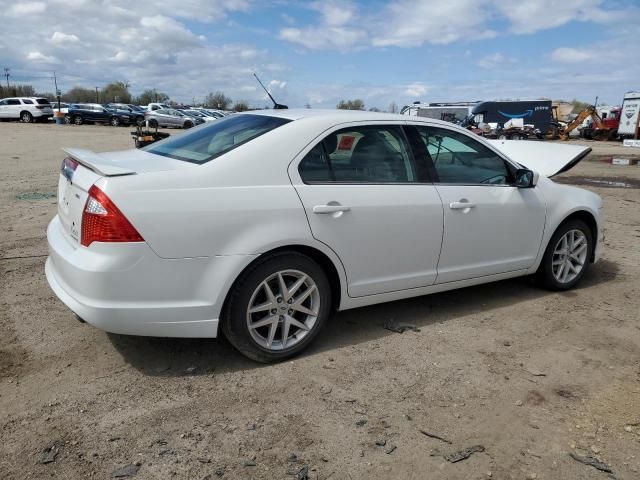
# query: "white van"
[26,109]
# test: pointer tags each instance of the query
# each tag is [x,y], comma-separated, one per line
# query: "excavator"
[599,130]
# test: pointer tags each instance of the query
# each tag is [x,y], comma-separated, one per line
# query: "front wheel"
[26,117]
[188,124]
[115,121]
[277,307]
[567,256]
[77,120]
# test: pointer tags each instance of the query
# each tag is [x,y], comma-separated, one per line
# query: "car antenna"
[276,105]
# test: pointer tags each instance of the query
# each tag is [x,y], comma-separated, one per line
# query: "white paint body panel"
[204,224]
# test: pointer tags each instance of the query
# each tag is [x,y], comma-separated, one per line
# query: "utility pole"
[55,82]
[97,99]
[6,74]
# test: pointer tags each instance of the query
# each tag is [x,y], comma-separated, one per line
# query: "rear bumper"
[126,288]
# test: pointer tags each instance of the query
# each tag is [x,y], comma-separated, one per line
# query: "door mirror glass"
[524,178]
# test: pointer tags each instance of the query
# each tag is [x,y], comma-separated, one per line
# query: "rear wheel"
[140,121]
[26,117]
[277,307]
[77,120]
[567,256]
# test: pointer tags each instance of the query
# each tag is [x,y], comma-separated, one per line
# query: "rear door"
[490,225]
[367,199]
[13,108]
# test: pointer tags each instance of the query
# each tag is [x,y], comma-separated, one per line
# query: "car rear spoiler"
[97,163]
[546,158]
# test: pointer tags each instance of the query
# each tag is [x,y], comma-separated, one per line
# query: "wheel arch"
[320,257]
[589,219]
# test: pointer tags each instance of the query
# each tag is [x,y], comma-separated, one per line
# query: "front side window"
[367,154]
[208,142]
[13,101]
[460,159]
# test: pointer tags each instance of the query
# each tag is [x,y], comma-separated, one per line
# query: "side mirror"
[526,178]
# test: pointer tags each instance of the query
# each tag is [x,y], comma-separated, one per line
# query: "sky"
[318,53]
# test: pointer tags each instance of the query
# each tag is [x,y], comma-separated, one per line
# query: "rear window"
[42,101]
[208,142]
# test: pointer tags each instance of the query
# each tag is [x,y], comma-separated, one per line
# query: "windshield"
[217,138]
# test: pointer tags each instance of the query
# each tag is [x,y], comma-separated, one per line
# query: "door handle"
[324,209]
[461,205]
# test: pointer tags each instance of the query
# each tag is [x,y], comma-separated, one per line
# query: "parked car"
[264,223]
[208,113]
[169,117]
[217,113]
[197,114]
[156,106]
[135,116]
[25,109]
[64,107]
[80,113]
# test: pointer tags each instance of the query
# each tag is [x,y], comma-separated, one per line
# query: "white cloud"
[411,23]
[571,55]
[532,16]
[494,60]
[40,58]
[19,9]
[334,31]
[60,38]
[416,89]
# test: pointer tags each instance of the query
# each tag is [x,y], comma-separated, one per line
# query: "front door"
[366,199]
[490,225]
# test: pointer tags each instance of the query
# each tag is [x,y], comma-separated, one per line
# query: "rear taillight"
[102,221]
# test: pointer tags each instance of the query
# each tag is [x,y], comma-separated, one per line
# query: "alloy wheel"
[283,309]
[569,256]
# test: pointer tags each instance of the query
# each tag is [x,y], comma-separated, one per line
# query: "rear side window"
[205,143]
[368,154]
[27,101]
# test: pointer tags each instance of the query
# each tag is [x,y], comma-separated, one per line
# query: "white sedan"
[264,223]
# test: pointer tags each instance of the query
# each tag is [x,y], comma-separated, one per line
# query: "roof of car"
[339,115]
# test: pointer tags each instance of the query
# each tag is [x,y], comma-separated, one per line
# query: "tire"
[153,123]
[249,291]
[552,279]
[26,117]
[188,124]
[612,134]
[140,121]
[114,121]
[77,120]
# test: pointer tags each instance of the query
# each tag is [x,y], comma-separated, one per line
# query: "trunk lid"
[546,158]
[74,183]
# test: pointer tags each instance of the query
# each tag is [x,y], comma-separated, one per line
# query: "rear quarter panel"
[237,204]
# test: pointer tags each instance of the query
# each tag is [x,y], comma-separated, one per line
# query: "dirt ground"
[528,375]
